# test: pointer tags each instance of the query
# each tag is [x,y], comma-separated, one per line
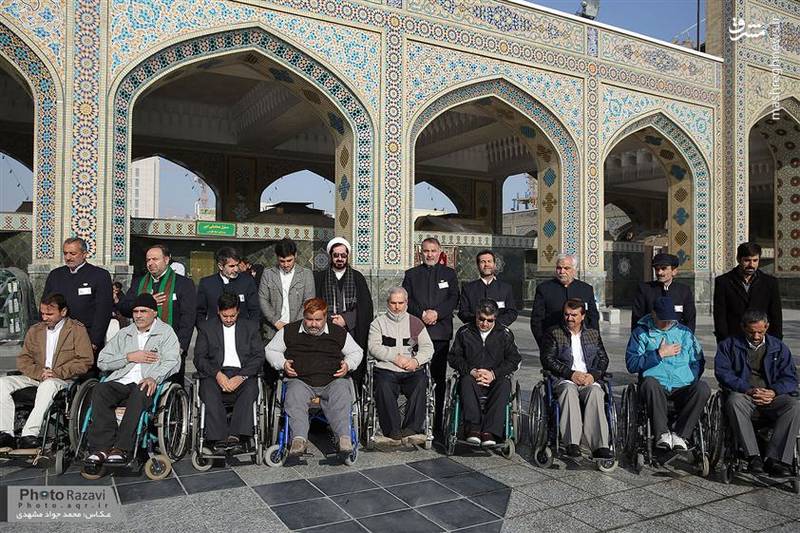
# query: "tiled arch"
[561,231]
[45,148]
[355,123]
[697,203]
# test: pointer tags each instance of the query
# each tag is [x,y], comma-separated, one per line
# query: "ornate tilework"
[140,25]
[591,41]
[787,30]
[437,69]
[288,56]
[44,90]
[43,21]
[395,190]
[248,231]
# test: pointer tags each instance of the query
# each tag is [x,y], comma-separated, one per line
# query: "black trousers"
[388,387]
[438,366]
[106,397]
[689,402]
[215,400]
[492,418]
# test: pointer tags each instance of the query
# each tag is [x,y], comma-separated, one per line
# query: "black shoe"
[776,468]
[602,453]
[7,440]
[755,465]
[29,441]
[573,450]
[407,432]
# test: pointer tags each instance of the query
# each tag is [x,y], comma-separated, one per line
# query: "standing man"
[284,288]
[174,295]
[746,287]
[487,286]
[349,301]
[432,297]
[548,303]
[87,289]
[665,267]
[228,279]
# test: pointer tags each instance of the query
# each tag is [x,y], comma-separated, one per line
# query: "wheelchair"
[161,438]
[202,456]
[638,441]
[452,419]
[369,420]
[725,450]
[280,432]
[59,442]
[544,422]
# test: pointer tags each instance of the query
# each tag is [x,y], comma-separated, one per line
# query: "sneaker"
[345,444]
[474,437]
[7,440]
[298,448]
[487,439]
[29,441]
[602,453]
[755,465]
[665,441]
[776,468]
[678,443]
[573,450]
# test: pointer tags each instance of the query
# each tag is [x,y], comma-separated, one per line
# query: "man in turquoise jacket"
[669,360]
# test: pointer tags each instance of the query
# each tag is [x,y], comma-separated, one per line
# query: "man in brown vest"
[316,355]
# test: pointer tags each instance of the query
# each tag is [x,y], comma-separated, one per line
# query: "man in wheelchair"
[316,356]
[575,355]
[400,345]
[669,360]
[758,374]
[139,357]
[55,350]
[485,356]
[228,352]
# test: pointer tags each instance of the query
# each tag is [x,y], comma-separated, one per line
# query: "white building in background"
[143,187]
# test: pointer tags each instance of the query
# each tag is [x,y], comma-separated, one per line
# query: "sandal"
[96,458]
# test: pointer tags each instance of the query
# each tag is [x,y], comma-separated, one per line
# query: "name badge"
[443,285]
[174,297]
[241,297]
[82,291]
[679,309]
[501,305]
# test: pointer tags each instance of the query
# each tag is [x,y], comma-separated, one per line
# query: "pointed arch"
[342,109]
[553,147]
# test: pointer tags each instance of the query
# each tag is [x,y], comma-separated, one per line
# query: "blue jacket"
[641,356]
[732,368]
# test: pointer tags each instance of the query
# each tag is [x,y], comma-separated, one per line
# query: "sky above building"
[666,20]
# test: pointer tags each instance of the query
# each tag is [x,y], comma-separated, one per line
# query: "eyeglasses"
[339,256]
[489,320]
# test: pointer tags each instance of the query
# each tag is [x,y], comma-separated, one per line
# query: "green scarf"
[167,282]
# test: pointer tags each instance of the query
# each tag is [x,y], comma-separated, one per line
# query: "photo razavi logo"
[62,504]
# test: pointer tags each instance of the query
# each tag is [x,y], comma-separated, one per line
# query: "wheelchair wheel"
[516,413]
[173,422]
[543,457]
[276,415]
[59,463]
[629,423]
[200,463]
[509,450]
[93,472]
[703,466]
[715,429]
[352,457]
[274,456]
[77,411]
[638,465]
[607,465]
[538,419]
[159,466]
[449,424]
[727,473]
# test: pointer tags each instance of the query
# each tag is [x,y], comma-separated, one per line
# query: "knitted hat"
[145,299]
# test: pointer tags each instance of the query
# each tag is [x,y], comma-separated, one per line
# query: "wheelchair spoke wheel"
[537,418]
[77,411]
[173,423]
[157,467]
[516,413]
[274,456]
[714,420]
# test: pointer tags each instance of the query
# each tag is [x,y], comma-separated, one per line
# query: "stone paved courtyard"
[409,490]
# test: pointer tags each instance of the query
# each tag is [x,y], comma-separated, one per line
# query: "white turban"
[336,241]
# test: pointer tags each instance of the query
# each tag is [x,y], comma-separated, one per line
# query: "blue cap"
[665,309]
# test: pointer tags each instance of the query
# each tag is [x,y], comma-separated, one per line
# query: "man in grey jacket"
[284,288]
[400,345]
[139,357]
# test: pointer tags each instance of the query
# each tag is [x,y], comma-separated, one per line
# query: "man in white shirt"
[575,355]
[55,350]
[316,356]
[228,354]
[139,357]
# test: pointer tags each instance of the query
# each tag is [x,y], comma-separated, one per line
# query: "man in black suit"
[665,267]
[432,297]
[228,279]
[487,286]
[87,289]
[174,294]
[228,355]
[746,287]
[551,295]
